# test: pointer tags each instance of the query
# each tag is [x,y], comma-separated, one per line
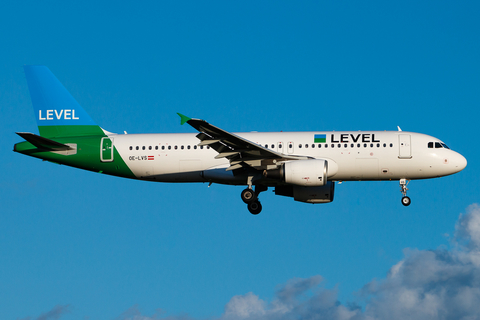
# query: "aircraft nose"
[459,162]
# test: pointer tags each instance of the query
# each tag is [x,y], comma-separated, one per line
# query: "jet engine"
[321,194]
[307,173]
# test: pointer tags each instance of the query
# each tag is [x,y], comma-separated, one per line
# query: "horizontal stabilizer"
[43,143]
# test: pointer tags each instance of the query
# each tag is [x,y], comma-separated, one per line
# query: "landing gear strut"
[250,197]
[403,185]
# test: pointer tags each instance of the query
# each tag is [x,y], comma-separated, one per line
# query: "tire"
[254,207]
[248,196]
[406,201]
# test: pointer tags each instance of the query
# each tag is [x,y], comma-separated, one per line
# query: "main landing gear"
[403,185]
[250,197]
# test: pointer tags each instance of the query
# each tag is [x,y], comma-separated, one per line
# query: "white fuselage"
[351,155]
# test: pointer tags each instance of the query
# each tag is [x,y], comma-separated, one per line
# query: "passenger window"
[352,145]
[195,147]
[313,146]
[333,146]
[319,145]
[201,147]
[391,145]
[188,147]
[131,147]
[364,145]
[326,145]
[378,145]
[290,146]
[300,145]
[273,146]
[339,145]
[182,147]
[156,147]
[163,147]
[169,147]
[384,145]
[306,145]
[345,145]
[143,148]
[176,147]
[150,148]
[266,146]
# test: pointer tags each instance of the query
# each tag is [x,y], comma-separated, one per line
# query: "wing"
[239,151]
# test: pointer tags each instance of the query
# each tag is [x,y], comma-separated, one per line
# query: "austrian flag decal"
[151,157]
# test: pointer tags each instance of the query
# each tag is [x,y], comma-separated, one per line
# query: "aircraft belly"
[382,168]
[192,176]
[366,168]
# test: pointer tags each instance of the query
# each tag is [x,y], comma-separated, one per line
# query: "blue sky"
[79,245]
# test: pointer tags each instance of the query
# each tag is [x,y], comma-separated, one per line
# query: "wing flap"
[239,151]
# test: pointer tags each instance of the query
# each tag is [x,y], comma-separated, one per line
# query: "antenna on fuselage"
[399,129]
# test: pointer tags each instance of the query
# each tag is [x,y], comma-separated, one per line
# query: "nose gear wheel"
[403,185]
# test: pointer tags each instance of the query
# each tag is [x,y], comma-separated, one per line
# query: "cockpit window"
[437,145]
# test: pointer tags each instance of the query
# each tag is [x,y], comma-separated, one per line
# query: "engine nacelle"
[321,194]
[307,173]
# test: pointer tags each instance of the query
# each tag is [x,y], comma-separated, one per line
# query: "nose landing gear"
[403,185]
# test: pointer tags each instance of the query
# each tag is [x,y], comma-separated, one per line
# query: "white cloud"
[298,298]
[245,306]
[433,284]
[426,284]
[467,229]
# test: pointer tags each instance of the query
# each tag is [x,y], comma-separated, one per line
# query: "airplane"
[300,165]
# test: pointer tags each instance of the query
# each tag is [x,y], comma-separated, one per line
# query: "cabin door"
[405,148]
[106,149]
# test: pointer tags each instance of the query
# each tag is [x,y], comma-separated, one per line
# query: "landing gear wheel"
[254,207]
[406,201]
[403,185]
[248,196]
